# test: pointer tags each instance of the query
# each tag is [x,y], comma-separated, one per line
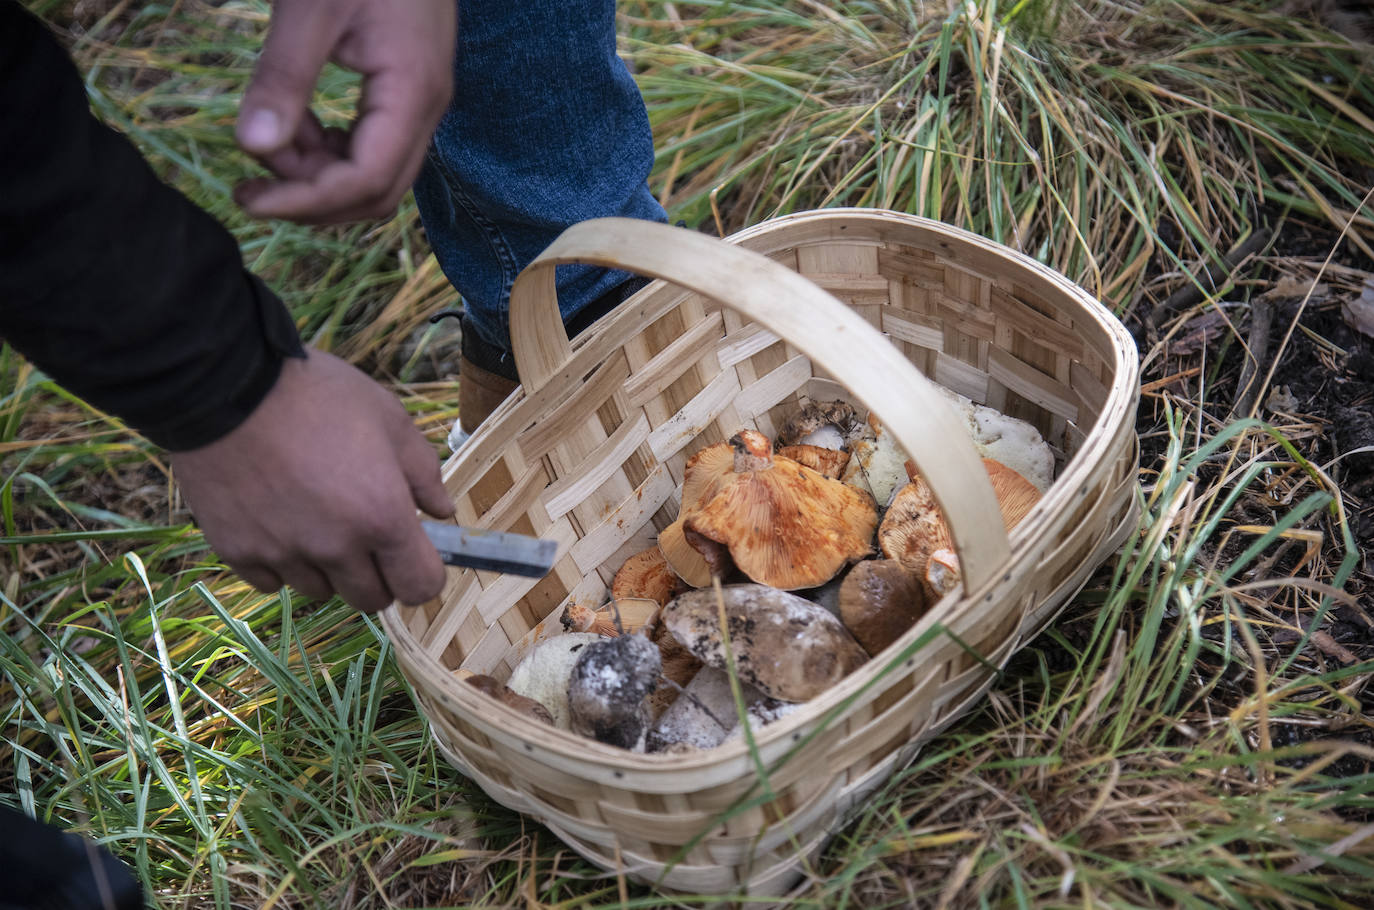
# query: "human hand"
[318,488]
[404,51]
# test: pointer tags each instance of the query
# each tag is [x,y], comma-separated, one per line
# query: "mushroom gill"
[914,528]
[703,476]
[646,575]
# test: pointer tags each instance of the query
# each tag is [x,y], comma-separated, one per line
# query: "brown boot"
[479,393]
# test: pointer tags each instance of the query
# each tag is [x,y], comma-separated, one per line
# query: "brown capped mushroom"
[647,575]
[526,706]
[703,475]
[785,525]
[914,527]
[879,601]
[788,647]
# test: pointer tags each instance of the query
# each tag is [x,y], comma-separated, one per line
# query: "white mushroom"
[1007,440]
[544,673]
[703,714]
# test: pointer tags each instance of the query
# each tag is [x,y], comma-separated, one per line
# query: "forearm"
[111,281]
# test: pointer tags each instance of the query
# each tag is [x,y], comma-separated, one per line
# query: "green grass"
[1180,737]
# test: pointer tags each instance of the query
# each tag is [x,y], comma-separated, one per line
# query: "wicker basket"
[591,451]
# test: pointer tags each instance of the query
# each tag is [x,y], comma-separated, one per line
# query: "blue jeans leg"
[546,128]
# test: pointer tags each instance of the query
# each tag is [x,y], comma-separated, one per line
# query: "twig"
[1211,278]
[1261,321]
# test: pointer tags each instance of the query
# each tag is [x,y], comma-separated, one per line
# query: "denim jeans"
[546,128]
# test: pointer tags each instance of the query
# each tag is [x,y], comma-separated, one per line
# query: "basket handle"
[831,334]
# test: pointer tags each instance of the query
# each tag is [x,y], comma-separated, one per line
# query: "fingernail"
[260,130]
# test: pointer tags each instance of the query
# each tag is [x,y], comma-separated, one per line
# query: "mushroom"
[607,688]
[703,715]
[914,528]
[942,572]
[820,423]
[544,673]
[1008,440]
[574,617]
[875,461]
[632,614]
[577,618]
[526,706]
[679,664]
[646,575]
[638,615]
[703,476]
[822,459]
[879,601]
[785,525]
[785,646]
[760,714]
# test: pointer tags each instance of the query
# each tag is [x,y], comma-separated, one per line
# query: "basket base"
[783,880]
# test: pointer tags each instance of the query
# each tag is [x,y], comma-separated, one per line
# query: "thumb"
[420,466]
[299,41]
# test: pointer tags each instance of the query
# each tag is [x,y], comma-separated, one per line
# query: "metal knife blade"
[495,551]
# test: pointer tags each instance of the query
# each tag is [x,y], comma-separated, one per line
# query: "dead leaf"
[1290,288]
[1281,400]
[1332,648]
[1198,331]
[1359,313]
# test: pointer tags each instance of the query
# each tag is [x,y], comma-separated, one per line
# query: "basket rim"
[503,723]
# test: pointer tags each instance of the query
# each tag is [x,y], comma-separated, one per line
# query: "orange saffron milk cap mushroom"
[830,462]
[786,525]
[913,528]
[705,472]
[626,614]
[646,575]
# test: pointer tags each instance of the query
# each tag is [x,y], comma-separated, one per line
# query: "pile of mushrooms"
[827,549]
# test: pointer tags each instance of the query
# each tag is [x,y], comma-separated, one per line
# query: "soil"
[1321,394]
[1321,397]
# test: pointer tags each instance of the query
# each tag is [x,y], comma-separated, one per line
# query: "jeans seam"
[496,241]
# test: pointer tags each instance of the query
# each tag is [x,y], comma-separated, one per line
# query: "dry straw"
[852,303]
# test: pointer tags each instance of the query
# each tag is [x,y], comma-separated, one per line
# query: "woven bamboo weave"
[859,304]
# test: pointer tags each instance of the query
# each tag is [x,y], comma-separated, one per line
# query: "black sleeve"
[113,283]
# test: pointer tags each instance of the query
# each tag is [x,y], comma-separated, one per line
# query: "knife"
[495,551]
